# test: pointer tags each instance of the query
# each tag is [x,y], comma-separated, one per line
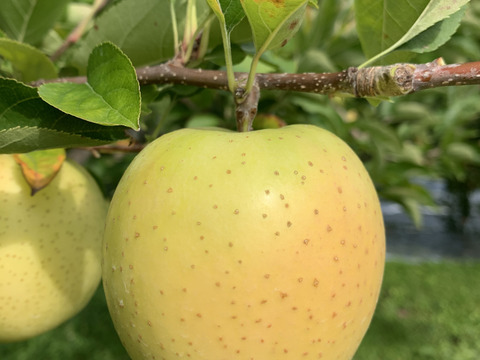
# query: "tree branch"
[77,33]
[375,81]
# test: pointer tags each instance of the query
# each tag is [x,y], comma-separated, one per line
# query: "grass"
[427,311]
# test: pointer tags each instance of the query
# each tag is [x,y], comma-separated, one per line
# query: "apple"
[263,245]
[50,248]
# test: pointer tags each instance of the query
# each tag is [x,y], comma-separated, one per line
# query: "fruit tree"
[247,223]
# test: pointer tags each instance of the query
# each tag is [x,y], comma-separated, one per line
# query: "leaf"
[30,63]
[382,135]
[436,35]
[40,167]
[27,123]
[111,95]
[228,11]
[464,153]
[274,22]
[383,26]
[217,55]
[411,197]
[30,20]
[268,121]
[412,208]
[141,28]
[203,120]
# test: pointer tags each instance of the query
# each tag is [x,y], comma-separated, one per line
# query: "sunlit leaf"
[111,95]
[27,123]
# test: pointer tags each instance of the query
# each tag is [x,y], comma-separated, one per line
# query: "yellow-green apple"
[50,248]
[263,245]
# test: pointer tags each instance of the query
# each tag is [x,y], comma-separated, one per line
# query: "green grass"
[427,311]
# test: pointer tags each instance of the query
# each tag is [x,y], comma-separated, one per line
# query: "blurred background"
[422,152]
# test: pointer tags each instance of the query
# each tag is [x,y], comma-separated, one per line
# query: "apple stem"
[246,105]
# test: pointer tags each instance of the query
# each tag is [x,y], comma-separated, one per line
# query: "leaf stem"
[253,72]
[203,46]
[199,41]
[189,31]
[174,28]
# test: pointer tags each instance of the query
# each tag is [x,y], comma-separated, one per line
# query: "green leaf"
[229,12]
[111,95]
[27,123]
[273,22]
[383,26]
[382,135]
[141,28]
[29,63]
[465,153]
[436,35]
[30,20]
[217,55]
[40,167]
[412,208]
[233,12]
[203,120]
[411,197]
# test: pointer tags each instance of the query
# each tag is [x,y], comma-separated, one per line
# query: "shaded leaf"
[217,55]
[27,123]
[325,114]
[435,36]
[383,26]
[412,208]
[411,197]
[40,167]
[141,28]
[382,135]
[203,120]
[463,152]
[30,63]
[382,23]
[111,95]
[268,121]
[29,21]
[273,23]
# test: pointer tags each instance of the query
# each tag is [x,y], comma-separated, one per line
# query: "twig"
[77,33]
[376,81]
[115,148]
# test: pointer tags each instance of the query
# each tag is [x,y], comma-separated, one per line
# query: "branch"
[121,146]
[77,33]
[375,81]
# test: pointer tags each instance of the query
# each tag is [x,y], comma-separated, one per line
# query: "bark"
[375,81]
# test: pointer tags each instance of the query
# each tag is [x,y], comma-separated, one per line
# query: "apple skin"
[50,249]
[263,245]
